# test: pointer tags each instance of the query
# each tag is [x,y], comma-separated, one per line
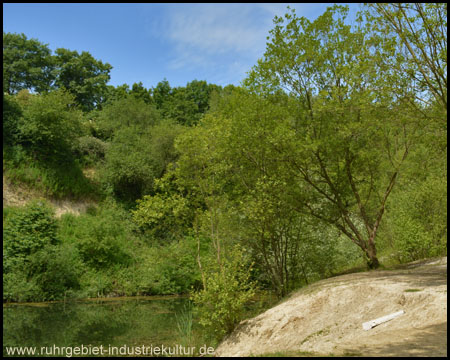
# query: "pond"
[109,327]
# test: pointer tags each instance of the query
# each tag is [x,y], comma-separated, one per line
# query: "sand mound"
[326,317]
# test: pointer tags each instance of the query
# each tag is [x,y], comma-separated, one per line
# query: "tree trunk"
[371,253]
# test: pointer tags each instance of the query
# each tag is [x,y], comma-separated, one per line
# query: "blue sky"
[218,42]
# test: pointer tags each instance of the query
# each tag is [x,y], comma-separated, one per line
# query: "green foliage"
[164,217]
[49,125]
[228,287]
[421,33]
[52,178]
[136,158]
[11,115]
[127,112]
[27,64]
[102,239]
[91,148]
[56,270]
[83,76]
[17,286]
[180,108]
[419,220]
[161,93]
[169,269]
[27,230]
[130,167]
[35,266]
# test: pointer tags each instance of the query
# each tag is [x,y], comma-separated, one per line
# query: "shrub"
[419,220]
[91,148]
[102,237]
[49,125]
[167,269]
[228,287]
[28,229]
[56,270]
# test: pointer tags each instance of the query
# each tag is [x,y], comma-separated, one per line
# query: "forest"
[330,155]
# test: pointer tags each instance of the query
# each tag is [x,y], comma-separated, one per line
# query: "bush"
[49,125]
[35,265]
[11,115]
[53,178]
[130,167]
[418,220]
[127,112]
[28,229]
[91,148]
[168,269]
[56,271]
[17,286]
[228,287]
[102,238]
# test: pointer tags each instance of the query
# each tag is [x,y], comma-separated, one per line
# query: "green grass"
[62,178]
[300,353]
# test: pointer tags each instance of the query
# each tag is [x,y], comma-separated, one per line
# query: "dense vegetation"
[330,154]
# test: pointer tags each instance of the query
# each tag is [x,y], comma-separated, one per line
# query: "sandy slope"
[326,317]
[14,195]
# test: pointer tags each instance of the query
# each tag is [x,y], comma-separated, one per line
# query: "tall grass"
[57,178]
[184,324]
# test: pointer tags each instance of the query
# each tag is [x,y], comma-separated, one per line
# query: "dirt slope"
[326,317]
[15,195]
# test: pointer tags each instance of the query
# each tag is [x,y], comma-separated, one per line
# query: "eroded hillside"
[326,317]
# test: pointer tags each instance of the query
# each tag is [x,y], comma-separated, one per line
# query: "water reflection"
[133,321]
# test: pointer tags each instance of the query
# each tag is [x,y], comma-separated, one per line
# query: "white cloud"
[202,35]
[217,37]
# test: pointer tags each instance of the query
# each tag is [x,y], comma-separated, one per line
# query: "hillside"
[326,317]
[17,195]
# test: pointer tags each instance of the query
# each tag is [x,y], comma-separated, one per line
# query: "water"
[134,322]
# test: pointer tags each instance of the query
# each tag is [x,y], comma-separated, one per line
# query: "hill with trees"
[331,154]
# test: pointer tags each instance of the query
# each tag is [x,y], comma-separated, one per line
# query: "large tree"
[27,64]
[83,76]
[421,29]
[352,133]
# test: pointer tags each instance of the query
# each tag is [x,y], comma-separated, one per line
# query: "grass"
[184,324]
[57,178]
[300,353]
[413,290]
[317,333]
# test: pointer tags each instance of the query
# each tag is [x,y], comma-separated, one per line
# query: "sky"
[180,42]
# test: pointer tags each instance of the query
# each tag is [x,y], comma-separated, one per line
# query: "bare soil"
[326,318]
[16,195]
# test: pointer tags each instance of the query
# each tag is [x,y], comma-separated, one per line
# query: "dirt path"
[326,317]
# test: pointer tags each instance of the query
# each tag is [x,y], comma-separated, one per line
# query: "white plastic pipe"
[372,323]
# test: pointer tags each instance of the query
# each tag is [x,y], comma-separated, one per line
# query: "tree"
[228,288]
[161,93]
[27,64]
[140,92]
[178,107]
[345,144]
[11,115]
[83,76]
[422,31]
[50,124]
[124,113]
[141,147]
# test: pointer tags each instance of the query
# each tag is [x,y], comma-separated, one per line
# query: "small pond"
[149,322]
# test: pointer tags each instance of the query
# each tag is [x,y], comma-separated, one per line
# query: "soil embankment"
[326,317]
[16,195]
